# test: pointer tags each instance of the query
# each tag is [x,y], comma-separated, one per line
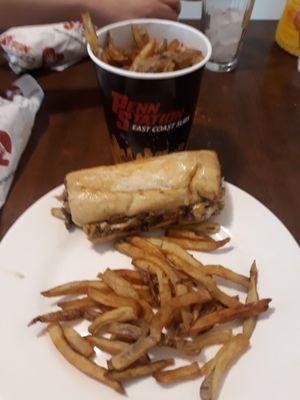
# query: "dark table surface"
[250,116]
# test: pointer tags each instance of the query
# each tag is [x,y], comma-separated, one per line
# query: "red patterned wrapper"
[54,46]
[18,107]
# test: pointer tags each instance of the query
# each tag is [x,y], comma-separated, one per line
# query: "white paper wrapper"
[18,108]
[54,46]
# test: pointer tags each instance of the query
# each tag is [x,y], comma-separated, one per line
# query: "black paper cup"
[149,114]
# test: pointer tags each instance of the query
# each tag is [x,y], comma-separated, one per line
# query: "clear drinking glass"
[225,23]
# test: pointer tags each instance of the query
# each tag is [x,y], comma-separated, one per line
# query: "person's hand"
[116,10]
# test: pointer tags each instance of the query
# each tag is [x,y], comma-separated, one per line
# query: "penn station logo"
[145,117]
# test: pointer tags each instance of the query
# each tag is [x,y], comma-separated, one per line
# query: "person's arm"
[29,12]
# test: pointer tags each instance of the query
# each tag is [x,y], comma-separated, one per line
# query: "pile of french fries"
[170,299]
[146,55]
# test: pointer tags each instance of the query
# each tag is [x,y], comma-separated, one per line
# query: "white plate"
[39,247]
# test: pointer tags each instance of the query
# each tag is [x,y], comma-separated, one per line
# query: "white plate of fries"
[165,322]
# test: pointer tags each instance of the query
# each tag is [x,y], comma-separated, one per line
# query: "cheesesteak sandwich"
[118,200]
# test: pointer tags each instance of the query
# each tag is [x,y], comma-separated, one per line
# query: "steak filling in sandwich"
[122,199]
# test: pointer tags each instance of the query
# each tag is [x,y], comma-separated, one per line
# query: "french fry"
[146,51]
[157,63]
[145,293]
[196,311]
[140,35]
[112,347]
[145,266]
[147,279]
[92,38]
[228,274]
[58,316]
[122,314]
[233,349]
[209,308]
[83,364]
[132,353]
[230,314]
[78,343]
[90,315]
[189,298]
[172,246]
[58,212]
[164,289]
[161,47]
[147,311]
[84,302]
[209,366]
[143,325]
[129,250]
[184,58]
[116,55]
[197,274]
[151,281]
[169,65]
[159,321]
[185,311]
[200,245]
[250,323]
[119,285]
[150,263]
[187,234]
[124,331]
[132,276]
[90,32]
[180,374]
[112,300]
[164,314]
[166,268]
[141,370]
[207,339]
[146,246]
[107,345]
[77,287]
[174,45]
[208,228]
[168,247]
[183,278]
[173,341]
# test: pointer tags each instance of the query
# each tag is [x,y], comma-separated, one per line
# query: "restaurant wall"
[263,9]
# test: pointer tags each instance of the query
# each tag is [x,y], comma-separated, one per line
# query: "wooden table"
[250,116]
